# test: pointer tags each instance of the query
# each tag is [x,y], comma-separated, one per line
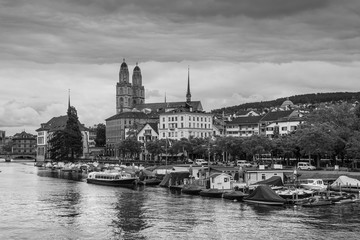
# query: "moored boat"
[151,181]
[117,179]
[212,192]
[235,195]
[313,184]
[263,194]
[317,202]
[192,189]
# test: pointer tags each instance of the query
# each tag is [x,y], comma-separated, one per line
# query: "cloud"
[237,51]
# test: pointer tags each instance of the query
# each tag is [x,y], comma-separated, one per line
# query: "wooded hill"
[313,98]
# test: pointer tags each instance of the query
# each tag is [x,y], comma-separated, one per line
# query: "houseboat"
[117,179]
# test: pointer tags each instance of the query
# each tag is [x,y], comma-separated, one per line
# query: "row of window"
[194,134]
[175,118]
[194,125]
[292,128]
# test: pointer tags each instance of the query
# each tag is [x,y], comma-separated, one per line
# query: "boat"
[291,195]
[212,192]
[151,181]
[313,184]
[317,201]
[235,195]
[263,194]
[192,189]
[117,179]
[346,184]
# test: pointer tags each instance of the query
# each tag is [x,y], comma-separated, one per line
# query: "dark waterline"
[43,204]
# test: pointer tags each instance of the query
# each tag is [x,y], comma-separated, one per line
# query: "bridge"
[18,156]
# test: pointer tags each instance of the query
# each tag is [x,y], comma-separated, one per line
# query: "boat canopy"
[273,181]
[345,181]
[265,194]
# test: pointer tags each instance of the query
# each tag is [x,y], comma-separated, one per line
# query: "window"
[283,128]
[182,118]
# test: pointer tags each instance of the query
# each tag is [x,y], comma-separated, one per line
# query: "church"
[132,110]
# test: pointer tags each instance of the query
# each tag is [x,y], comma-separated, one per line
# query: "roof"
[58,123]
[264,193]
[156,107]
[245,120]
[273,116]
[132,115]
[154,126]
[24,135]
[273,181]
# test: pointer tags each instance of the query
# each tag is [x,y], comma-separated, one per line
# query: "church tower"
[138,88]
[124,92]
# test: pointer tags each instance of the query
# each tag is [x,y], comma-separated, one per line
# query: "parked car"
[305,166]
[243,163]
[201,162]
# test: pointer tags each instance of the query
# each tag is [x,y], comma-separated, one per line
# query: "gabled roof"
[132,115]
[154,126]
[155,107]
[273,116]
[58,123]
[24,135]
[245,120]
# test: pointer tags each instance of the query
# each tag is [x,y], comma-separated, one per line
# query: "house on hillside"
[285,121]
[243,126]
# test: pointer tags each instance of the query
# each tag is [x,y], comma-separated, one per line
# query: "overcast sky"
[238,51]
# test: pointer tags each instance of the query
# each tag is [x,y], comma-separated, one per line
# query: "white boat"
[117,179]
[313,184]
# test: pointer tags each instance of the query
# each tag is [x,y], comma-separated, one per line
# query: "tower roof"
[136,68]
[123,65]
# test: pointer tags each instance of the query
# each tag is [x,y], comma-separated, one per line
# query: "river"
[37,204]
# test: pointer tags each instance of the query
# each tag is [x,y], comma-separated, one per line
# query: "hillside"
[313,98]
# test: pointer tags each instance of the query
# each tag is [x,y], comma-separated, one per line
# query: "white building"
[180,123]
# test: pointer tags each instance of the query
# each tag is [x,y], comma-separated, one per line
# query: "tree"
[130,146]
[73,136]
[67,144]
[155,147]
[100,139]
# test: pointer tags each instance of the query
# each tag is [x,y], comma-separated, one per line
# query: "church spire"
[188,94]
[69,100]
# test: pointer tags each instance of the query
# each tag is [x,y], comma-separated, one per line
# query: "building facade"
[179,124]
[24,144]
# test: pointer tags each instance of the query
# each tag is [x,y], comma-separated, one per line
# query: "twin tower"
[128,95]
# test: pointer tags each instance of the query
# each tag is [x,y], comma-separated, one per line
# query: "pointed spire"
[69,100]
[165,97]
[188,94]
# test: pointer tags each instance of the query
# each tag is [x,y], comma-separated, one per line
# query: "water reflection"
[129,214]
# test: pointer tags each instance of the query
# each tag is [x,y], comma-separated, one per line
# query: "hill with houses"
[301,101]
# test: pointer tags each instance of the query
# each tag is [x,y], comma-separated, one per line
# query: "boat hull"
[238,196]
[212,194]
[264,202]
[114,182]
[192,190]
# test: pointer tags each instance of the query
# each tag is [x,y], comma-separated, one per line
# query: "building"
[149,132]
[24,144]
[280,122]
[182,123]
[243,126]
[119,125]
[45,132]
[128,95]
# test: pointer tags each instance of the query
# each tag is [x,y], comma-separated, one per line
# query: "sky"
[237,51]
